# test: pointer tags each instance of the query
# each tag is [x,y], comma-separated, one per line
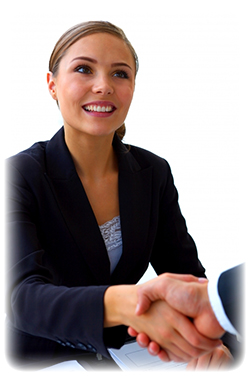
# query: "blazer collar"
[135,203]
[59,163]
[61,166]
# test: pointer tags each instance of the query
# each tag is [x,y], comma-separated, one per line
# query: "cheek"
[71,93]
[127,96]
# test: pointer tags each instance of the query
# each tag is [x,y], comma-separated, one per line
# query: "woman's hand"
[153,348]
[173,331]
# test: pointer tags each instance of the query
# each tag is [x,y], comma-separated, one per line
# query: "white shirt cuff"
[217,307]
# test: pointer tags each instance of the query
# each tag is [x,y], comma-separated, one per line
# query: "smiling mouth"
[95,108]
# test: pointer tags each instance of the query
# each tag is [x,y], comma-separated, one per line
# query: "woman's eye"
[121,74]
[83,69]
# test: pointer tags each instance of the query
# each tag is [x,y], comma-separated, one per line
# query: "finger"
[176,354]
[221,358]
[143,340]
[227,352]
[143,303]
[163,356]
[132,332]
[154,348]
[192,365]
[149,292]
[178,349]
[175,358]
[203,362]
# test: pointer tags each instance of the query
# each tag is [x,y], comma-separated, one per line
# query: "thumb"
[148,293]
[143,303]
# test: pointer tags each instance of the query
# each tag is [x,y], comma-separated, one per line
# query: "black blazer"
[58,267]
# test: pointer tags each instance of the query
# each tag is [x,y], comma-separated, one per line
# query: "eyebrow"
[95,61]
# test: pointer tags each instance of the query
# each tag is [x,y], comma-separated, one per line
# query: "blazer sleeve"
[174,249]
[70,316]
[231,292]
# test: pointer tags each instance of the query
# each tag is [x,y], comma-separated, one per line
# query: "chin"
[100,132]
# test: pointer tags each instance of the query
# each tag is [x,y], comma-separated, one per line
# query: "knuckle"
[167,335]
[191,290]
[220,352]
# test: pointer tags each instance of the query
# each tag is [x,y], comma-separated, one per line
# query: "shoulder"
[146,158]
[29,160]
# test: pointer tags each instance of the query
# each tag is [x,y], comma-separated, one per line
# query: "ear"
[51,85]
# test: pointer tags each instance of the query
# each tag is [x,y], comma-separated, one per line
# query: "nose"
[103,85]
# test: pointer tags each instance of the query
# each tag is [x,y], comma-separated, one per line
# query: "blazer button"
[82,346]
[91,348]
[70,345]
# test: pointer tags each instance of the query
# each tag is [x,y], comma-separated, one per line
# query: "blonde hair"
[81,30]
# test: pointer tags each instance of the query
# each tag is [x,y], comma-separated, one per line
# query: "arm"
[226,297]
[50,294]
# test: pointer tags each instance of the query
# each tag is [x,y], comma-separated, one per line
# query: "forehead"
[101,46]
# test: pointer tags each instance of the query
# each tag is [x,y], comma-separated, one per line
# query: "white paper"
[132,357]
[71,365]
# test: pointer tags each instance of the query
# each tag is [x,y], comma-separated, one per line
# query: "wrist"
[119,305]
[206,321]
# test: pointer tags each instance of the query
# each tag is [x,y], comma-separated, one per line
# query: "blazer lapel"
[75,207]
[135,187]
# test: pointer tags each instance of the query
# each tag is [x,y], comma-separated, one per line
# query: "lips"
[99,107]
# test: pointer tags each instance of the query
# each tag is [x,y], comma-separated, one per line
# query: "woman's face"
[94,84]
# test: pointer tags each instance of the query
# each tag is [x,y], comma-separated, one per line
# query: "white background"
[191,103]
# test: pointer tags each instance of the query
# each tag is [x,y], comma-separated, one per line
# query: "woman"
[87,214]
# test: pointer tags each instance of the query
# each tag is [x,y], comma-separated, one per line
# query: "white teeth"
[98,108]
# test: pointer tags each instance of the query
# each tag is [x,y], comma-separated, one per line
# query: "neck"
[93,156]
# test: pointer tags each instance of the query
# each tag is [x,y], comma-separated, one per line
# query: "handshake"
[191,331]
